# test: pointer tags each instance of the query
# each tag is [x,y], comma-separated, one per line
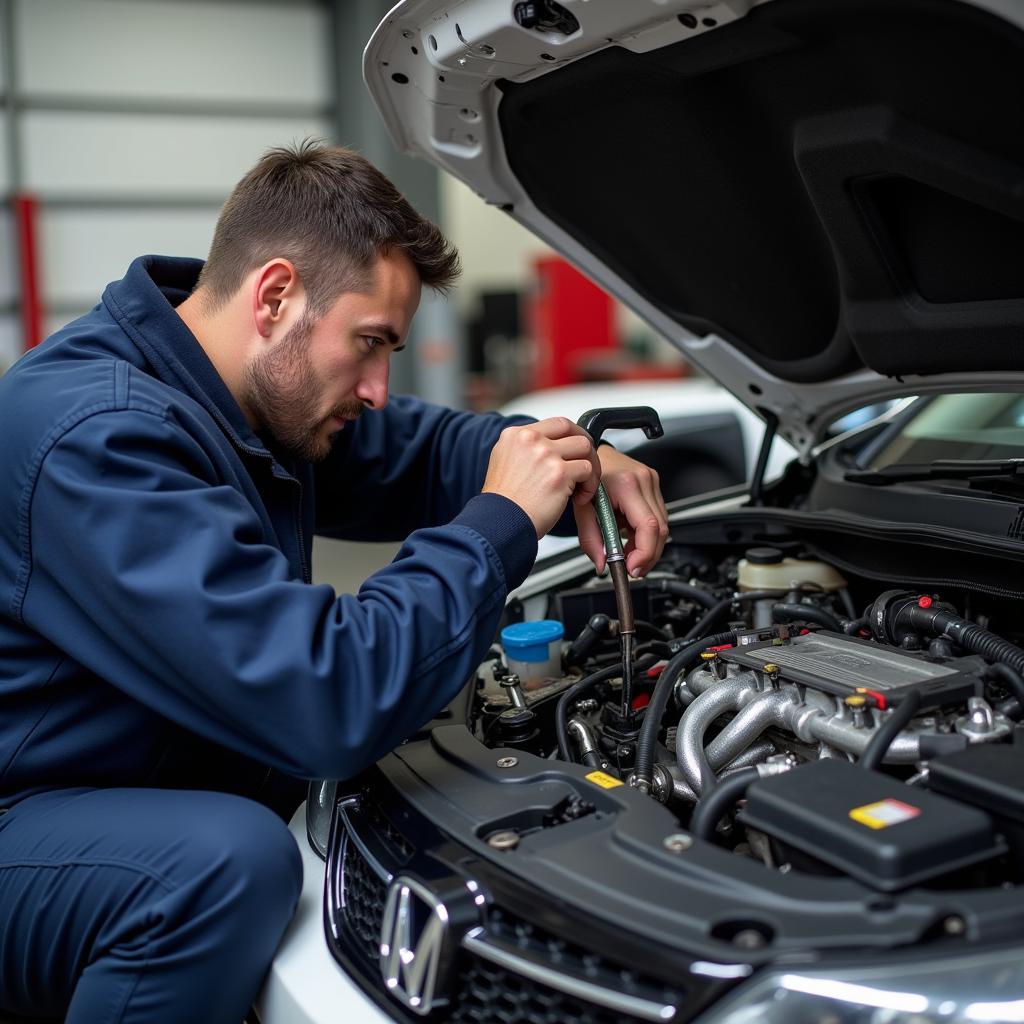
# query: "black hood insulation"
[826,185]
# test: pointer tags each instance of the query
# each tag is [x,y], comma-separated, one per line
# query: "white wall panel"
[54,323]
[8,257]
[5,181]
[160,49]
[10,340]
[497,253]
[125,155]
[81,250]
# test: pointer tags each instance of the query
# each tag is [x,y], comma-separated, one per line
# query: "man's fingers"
[555,427]
[574,446]
[591,540]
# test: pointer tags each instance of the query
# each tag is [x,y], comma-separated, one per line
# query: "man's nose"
[373,386]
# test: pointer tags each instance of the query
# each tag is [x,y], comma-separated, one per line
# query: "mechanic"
[168,672]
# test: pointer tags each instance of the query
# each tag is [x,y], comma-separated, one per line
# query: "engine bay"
[785,711]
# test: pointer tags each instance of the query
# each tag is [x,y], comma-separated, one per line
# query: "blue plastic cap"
[528,641]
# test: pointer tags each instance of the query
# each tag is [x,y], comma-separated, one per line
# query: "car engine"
[765,684]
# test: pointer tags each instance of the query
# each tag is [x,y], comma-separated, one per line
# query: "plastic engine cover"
[868,825]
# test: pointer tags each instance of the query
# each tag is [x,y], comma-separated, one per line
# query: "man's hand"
[635,495]
[540,466]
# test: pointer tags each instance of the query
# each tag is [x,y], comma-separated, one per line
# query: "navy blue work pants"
[141,905]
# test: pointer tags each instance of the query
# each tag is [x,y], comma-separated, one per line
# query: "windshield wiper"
[942,469]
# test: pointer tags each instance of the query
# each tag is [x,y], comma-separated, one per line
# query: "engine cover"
[841,665]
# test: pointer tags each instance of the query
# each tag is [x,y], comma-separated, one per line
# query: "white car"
[793,792]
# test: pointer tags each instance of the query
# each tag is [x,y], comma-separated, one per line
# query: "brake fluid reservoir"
[533,650]
[766,569]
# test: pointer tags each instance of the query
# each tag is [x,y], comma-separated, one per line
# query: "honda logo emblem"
[413,936]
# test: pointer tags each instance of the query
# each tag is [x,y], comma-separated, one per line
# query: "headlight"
[959,990]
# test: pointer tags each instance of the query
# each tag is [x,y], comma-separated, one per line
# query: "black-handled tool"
[595,422]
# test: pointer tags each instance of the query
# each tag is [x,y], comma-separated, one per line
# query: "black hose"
[805,613]
[895,611]
[708,619]
[938,743]
[649,631]
[679,589]
[576,691]
[597,628]
[848,606]
[1011,707]
[899,716]
[718,800]
[648,737]
[1009,677]
[855,626]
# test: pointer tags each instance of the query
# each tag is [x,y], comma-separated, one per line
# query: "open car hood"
[820,204]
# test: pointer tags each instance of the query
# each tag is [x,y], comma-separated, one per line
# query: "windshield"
[975,426]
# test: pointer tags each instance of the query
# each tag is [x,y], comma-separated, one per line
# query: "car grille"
[487,992]
[364,894]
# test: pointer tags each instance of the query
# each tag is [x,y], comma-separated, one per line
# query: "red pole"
[26,215]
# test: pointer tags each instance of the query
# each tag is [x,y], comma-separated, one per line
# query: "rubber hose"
[901,714]
[678,589]
[937,744]
[1011,707]
[649,631]
[1009,677]
[805,613]
[685,659]
[969,636]
[576,691]
[718,801]
[597,628]
[708,619]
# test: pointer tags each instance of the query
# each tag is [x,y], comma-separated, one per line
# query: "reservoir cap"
[528,641]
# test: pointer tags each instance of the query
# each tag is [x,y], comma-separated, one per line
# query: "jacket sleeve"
[158,578]
[406,466]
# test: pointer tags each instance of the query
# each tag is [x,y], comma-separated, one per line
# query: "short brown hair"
[329,211]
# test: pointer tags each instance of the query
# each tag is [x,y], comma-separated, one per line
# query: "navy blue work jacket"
[157,621]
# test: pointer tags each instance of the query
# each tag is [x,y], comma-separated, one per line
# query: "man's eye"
[372,341]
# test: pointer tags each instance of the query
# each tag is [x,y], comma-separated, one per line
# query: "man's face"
[323,373]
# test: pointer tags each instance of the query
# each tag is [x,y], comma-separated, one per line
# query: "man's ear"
[276,296]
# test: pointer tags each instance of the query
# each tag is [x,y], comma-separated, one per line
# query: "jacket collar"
[143,304]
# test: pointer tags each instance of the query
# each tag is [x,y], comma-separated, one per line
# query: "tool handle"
[609,525]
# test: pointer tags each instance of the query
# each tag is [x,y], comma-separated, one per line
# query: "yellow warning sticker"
[604,780]
[884,813]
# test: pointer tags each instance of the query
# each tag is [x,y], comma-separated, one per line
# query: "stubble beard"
[282,390]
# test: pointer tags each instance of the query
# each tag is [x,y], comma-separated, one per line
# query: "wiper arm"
[941,469]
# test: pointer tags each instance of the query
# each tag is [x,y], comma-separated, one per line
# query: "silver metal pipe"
[670,775]
[762,711]
[904,749]
[729,695]
[583,735]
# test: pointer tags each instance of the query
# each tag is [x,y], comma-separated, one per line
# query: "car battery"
[868,825]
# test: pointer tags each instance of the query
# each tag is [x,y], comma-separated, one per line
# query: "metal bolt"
[507,762]
[508,840]
[677,842]
[954,925]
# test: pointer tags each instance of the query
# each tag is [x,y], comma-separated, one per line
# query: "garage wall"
[130,120]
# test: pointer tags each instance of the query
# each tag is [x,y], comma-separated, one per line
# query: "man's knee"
[243,859]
